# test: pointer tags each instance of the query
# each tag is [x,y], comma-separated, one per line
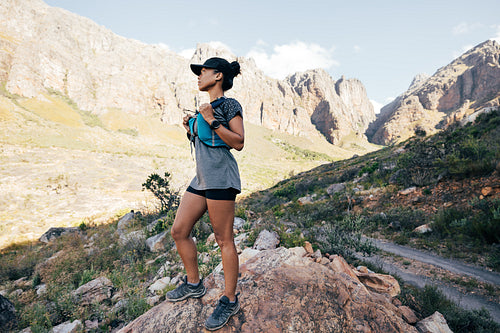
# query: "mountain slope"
[468,84]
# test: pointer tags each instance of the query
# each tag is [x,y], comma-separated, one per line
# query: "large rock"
[160,242]
[54,233]
[266,240]
[434,324]
[8,319]
[95,291]
[282,291]
[68,327]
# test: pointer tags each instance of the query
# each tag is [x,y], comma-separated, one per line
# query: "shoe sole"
[191,295]
[235,311]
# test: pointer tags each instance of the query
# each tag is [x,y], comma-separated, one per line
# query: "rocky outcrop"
[45,49]
[56,232]
[468,84]
[8,319]
[336,112]
[283,291]
[97,290]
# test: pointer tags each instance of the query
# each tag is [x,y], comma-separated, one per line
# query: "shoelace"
[221,308]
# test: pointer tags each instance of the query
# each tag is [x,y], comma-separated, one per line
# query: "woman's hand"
[207,112]
[185,123]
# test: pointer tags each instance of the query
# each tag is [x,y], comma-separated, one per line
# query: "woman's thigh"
[221,214]
[191,209]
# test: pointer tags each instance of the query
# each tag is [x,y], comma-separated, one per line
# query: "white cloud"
[376,105]
[163,46]
[187,53]
[290,58]
[497,33]
[357,48]
[464,28]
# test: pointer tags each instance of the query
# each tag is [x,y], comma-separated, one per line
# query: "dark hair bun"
[235,68]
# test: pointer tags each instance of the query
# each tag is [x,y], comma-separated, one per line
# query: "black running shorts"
[216,194]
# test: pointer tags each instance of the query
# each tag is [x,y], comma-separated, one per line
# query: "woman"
[214,188]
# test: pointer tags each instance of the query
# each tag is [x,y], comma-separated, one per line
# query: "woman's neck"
[215,93]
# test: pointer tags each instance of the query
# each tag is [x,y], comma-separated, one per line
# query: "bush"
[344,237]
[428,300]
[160,187]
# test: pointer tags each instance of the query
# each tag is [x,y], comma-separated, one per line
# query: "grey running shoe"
[184,290]
[222,313]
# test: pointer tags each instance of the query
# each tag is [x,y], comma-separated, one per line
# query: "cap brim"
[197,68]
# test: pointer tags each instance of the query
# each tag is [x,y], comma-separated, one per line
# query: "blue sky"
[382,43]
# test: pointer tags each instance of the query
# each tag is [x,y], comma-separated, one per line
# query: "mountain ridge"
[48,48]
[468,84]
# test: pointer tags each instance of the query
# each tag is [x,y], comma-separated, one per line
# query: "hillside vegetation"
[449,181]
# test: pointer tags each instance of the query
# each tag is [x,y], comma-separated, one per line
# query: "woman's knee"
[224,241]
[178,233]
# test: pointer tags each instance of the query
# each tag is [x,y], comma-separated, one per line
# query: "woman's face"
[208,78]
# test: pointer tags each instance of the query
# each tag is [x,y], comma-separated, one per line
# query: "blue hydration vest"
[205,133]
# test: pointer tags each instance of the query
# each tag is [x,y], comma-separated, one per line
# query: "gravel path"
[466,300]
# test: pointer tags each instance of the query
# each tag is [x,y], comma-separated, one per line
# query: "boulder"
[97,290]
[54,233]
[238,223]
[266,240]
[282,292]
[408,314]
[159,285]
[160,242]
[68,327]
[307,200]
[125,222]
[433,324]
[136,237]
[422,229]
[334,188]
[379,283]
[8,319]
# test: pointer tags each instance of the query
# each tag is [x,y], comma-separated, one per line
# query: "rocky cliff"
[468,84]
[45,49]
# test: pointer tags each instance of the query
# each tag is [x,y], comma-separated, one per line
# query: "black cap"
[222,65]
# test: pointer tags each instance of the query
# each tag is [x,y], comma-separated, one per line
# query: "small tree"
[160,187]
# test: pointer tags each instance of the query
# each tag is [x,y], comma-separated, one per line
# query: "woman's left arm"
[234,137]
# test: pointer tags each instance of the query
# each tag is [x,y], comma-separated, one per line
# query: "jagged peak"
[212,49]
[418,80]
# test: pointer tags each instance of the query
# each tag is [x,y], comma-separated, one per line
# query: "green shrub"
[160,187]
[36,316]
[344,237]
[428,300]
[286,191]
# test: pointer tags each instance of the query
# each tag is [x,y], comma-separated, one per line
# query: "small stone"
[308,247]
[408,314]
[152,301]
[424,228]
[485,191]
[159,285]
[408,190]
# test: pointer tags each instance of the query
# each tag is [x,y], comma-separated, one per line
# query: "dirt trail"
[466,300]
